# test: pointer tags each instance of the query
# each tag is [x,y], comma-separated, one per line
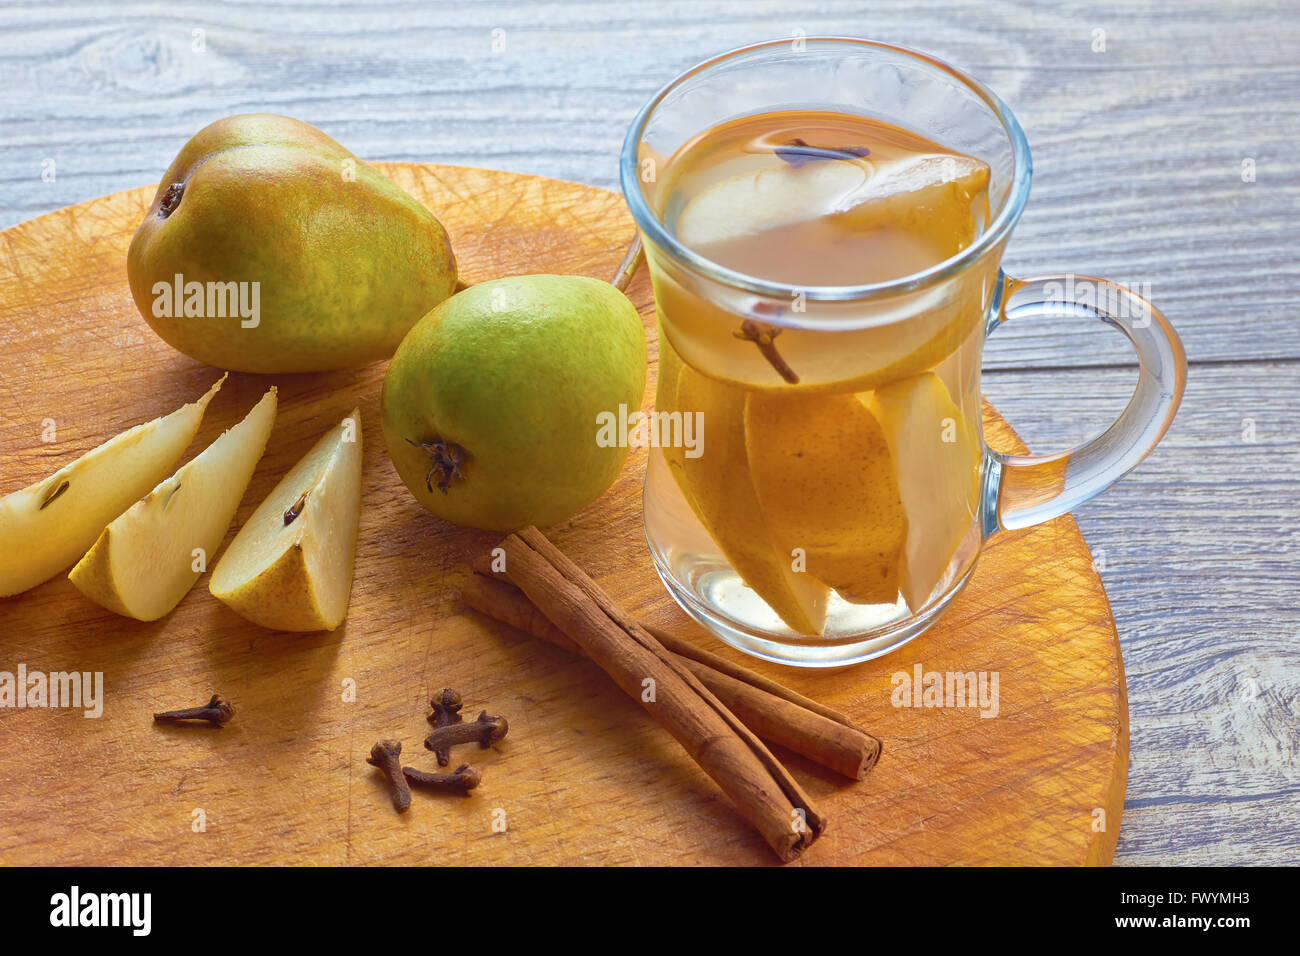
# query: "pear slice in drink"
[290,567]
[858,194]
[939,196]
[717,484]
[149,557]
[933,193]
[825,482]
[936,456]
[767,198]
[47,526]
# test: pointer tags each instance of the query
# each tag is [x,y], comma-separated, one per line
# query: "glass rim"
[999,228]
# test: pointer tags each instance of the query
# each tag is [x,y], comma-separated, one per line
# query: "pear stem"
[627,268]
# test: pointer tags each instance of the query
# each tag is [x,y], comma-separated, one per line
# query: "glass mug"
[764,498]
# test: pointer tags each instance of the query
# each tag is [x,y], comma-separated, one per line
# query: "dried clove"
[764,336]
[446,711]
[798,153]
[485,731]
[216,712]
[386,755]
[464,778]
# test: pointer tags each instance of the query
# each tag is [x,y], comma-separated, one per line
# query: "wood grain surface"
[584,776]
[1138,144]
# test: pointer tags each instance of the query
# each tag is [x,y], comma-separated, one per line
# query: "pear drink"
[836,485]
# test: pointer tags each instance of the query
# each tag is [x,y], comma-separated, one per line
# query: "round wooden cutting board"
[585,776]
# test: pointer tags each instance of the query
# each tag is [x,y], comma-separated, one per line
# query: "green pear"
[498,406]
[270,248]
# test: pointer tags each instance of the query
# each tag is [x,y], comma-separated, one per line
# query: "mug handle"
[1024,490]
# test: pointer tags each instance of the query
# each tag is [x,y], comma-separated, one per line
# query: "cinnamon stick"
[761,788]
[774,717]
[684,648]
[502,600]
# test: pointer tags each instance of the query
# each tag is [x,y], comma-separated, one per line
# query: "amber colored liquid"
[842,498]
[821,247]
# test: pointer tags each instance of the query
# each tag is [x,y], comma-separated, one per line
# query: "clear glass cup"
[740,566]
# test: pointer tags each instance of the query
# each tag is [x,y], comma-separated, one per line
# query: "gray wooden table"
[1165,147]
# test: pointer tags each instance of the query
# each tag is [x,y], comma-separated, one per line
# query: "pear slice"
[860,193]
[936,188]
[290,567]
[49,525]
[825,481]
[669,371]
[717,484]
[151,555]
[767,198]
[936,455]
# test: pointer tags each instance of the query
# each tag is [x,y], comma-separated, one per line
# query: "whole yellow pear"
[270,248]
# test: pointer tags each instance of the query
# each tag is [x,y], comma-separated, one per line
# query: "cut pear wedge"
[717,485]
[767,198]
[669,370]
[937,457]
[861,193]
[151,555]
[825,483]
[937,187]
[290,567]
[47,526]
